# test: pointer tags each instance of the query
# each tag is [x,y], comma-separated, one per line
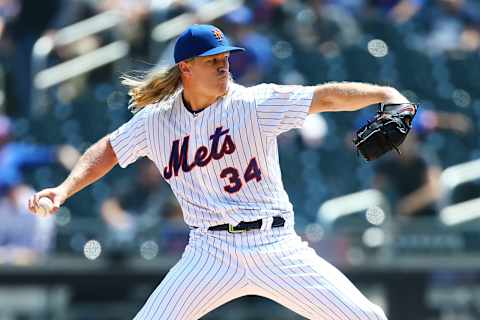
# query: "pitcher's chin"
[223,87]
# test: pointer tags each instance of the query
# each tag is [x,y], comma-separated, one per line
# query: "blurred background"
[404,229]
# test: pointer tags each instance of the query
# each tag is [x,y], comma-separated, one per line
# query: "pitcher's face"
[211,74]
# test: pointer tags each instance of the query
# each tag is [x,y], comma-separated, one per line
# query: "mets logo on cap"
[201,40]
[218,34]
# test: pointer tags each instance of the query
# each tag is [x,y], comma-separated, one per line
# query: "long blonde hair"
[155,86]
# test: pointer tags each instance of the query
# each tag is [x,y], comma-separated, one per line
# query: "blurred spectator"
[135,207]
[323,27]
[429,120]
[24,237]
[25,21]
[400,11]
[174,231]
[410,180]
[268,12]
[134,10]
[15,157]
[451,25]
[137,28]
[256,63]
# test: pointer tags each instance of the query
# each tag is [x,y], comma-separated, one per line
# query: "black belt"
[245,226]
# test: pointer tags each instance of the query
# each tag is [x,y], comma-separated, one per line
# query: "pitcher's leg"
[193,286]
[299,279]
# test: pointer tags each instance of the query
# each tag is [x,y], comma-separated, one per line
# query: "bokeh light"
[375,215]
[63,217]
[92,249]
[377,48]
[314,232]
[373,237]
[149,250]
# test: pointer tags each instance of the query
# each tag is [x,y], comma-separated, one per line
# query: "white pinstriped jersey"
[222,163]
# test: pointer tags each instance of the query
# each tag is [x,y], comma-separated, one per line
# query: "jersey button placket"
[194,123]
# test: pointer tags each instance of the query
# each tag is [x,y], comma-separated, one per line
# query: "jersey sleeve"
[280,108]
[129,142]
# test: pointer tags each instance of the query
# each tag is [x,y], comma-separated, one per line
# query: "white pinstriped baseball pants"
[217,267]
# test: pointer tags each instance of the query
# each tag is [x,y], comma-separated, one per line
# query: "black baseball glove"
[386,131]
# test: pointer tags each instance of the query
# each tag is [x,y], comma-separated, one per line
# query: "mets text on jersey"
[203,156]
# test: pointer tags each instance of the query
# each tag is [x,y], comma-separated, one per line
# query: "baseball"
[45,207]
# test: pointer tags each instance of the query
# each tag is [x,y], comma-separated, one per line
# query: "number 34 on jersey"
[235,178]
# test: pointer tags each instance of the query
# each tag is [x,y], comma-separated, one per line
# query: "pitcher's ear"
[185,67]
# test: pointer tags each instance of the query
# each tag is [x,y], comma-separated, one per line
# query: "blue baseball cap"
[201,40]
